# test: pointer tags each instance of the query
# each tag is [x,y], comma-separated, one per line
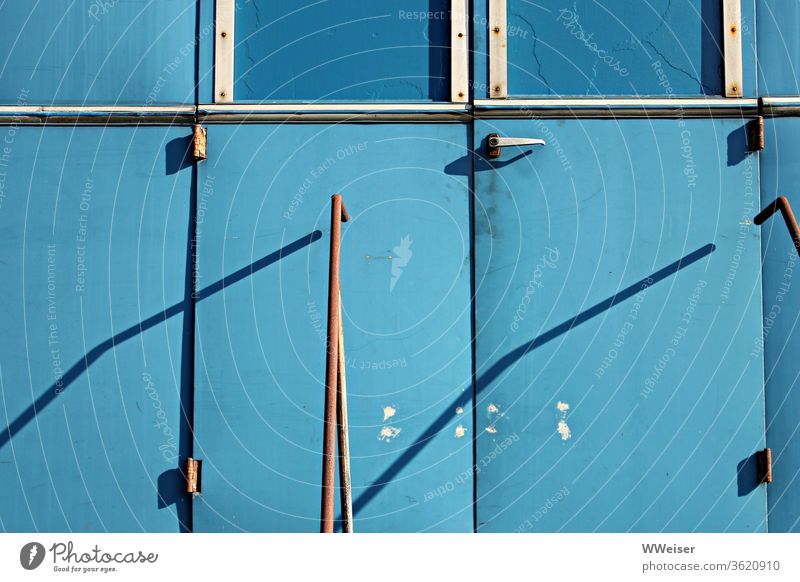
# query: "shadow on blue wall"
[477,162]
[712,62]
[171,483]
[170,480]
[179,155]
[747,475]
[738,148]
[503,363]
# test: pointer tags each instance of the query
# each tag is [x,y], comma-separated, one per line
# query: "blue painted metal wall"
[617,293]
[343,51]
[92,52]
[263,244]
[593,48]
[780,174]
[93,272]
[589,254]
[778,48]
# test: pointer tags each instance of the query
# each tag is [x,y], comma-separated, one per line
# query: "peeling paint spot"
[388,412]
[492,408]
[460,431]
[459,410]
[388,433]
[563,428]
[491,430]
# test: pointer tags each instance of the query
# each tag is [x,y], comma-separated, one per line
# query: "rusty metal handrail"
[782,204]
[332,370]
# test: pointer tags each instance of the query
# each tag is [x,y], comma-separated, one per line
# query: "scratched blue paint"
[780,174]
[342,51]
[263,242]
[98,52]
[618,293]
[592,48]
[778,48]
[95,224]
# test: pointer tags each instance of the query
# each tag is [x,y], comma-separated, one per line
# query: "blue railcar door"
[261,299]
[617,304]
[781,340]
[94,371]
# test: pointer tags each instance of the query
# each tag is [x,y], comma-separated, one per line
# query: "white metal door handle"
[496,142]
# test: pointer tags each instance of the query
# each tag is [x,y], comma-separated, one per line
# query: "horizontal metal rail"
[360,112]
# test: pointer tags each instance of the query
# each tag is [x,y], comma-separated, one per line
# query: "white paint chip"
[492,408]
[491,430]
[460,431]
[562,406]
[459,410]
[388,433]
[563,430]
[388,412]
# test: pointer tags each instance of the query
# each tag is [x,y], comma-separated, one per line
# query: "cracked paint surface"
[578,50]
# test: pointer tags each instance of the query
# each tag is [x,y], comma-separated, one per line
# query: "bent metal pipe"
[338,215]
[781,203]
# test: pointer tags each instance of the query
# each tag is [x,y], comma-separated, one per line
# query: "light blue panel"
[92,365]
[618,297]
[205,53]
[615,47]
[342,50]
[778,47]
[263,232]
[98,52]
[780,176]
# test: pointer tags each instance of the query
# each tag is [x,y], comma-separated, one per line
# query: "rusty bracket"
[755,134]
[782,204]
[199,139]
[764,461]
[194,481]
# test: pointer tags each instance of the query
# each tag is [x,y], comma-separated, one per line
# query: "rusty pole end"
[778,204]
[782,203]
[345,215]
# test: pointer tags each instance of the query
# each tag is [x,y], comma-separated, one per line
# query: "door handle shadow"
[477,162]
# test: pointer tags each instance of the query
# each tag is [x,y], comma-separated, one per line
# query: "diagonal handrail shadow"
[503,363]
[96,352]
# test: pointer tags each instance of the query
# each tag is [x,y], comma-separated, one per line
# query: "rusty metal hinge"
[755,134]
[764,461]
[199,142]
[194,480]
